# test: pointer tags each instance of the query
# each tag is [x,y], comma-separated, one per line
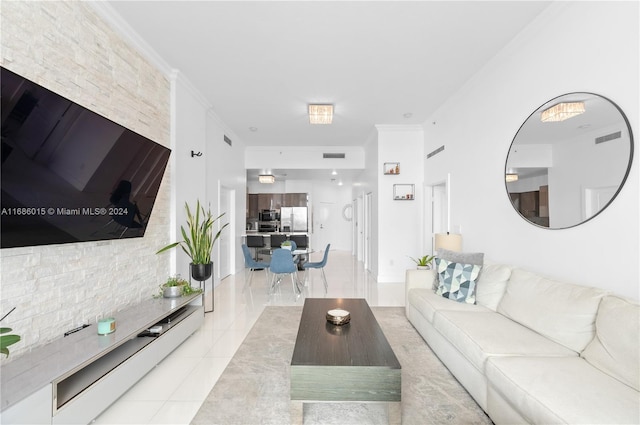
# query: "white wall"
[198,129]
[573,46]
[399,221]
[225,168]
[58,287]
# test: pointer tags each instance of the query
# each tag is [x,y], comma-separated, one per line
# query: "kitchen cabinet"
[274,201]
[252,206]
[269,201]
[295,200]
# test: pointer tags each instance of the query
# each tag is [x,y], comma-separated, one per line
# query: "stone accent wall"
[65,47]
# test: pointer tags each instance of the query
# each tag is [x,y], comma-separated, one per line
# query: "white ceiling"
[260,63]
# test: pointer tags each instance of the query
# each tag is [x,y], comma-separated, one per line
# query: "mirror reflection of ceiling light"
[266,178]
[511,178]
[320,114]
[562,111]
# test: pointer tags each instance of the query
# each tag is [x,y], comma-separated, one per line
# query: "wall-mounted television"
[69,174]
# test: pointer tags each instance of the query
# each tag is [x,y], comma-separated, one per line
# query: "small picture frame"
[403,192]
[391,168]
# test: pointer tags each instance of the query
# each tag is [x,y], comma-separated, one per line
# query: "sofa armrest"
[418,279]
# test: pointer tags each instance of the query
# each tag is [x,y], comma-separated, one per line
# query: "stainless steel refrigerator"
[293,219]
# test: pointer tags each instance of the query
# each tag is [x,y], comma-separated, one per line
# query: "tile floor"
[173,392]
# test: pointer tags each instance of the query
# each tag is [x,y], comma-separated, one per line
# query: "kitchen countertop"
[255,232]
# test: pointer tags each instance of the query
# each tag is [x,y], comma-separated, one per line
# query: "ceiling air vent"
[608,137]
[333,155]
[227,140]
[437,151]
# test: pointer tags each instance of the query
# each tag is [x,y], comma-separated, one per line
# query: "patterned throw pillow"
[457,281]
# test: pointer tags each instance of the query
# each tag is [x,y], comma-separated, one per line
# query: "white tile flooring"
[175,389]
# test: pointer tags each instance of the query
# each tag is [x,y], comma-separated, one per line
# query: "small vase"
[424,267]
[201,272]
[172,292]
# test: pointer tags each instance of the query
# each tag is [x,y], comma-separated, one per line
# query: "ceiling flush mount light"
[266,178]
[320,114]
[562,111]
[511,178]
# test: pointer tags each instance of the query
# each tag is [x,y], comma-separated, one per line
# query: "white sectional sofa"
[532,349]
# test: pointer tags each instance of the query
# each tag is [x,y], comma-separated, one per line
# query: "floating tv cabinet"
[73,379]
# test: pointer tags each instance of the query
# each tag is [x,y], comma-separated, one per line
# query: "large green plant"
[198,238]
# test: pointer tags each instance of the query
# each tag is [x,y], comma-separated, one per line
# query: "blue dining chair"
[253,265]
[281,264]
[319,265]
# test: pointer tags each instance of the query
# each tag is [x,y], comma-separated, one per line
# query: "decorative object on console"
[448,241]
[176,286]
[106,326]
[457,281]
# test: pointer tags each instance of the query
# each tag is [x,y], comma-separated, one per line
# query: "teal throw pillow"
[457,281]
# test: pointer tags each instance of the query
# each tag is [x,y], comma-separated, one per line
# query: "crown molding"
[120,26]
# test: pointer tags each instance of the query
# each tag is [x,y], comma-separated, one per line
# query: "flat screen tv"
[70,174]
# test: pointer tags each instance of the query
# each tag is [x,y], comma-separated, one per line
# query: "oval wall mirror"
[569,160]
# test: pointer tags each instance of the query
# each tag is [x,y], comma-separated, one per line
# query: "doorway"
[227,237]
[325,214]
[368,205]
[439,211]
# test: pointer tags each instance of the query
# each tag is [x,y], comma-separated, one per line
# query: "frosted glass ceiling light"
[266,178]
[320,114]
[511,178]
[562,111]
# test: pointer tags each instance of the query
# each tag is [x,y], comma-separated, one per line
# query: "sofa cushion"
[563,312]
[565,390]
[492,284]
[479,335]
[616,348]
[476,258]
[428,302]
[457,281]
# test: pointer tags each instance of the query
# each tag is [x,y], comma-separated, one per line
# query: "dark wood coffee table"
[348,363]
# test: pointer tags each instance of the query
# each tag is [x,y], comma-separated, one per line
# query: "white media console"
[73,379]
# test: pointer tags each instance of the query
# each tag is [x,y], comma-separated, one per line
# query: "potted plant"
[286,245]
[175,286]
[7,340]
[424,262]
[198,241]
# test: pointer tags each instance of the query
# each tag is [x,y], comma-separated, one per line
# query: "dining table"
[300,256]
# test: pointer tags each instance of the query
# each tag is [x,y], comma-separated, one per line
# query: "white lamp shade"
[449,241]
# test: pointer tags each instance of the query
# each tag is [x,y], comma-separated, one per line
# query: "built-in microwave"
[268,215]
